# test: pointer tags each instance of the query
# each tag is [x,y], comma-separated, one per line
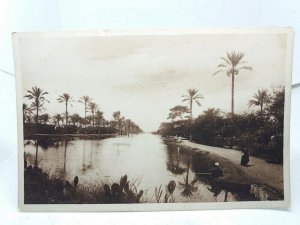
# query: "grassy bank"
[41,188]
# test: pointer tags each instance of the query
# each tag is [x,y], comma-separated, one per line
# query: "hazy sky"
[145,76]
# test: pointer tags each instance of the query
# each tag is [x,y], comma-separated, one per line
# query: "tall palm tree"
[261,98]
[85,100]
[38,96]
[93,107]
[66,98]
[192,96]
[232,65]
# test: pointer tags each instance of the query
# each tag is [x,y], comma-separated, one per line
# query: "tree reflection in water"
[174,164]
[66,141]
[188,188]
[87,165]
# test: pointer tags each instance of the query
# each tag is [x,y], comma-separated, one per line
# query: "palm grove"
[93,122]
[261,130]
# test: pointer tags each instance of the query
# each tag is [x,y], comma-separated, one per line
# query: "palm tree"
[261,98]
[75,119]
[232,65]
[38,96]
[57,118]
[85,100]
[99,120]
[65,98]
[44,118]
[26,112]
[116,116]
[192,96]
[93,107]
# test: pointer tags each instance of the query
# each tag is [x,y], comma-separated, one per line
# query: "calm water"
[144,158]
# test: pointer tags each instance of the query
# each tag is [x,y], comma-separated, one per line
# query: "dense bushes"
[261,132]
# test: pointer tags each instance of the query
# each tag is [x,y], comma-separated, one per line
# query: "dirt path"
[260,170]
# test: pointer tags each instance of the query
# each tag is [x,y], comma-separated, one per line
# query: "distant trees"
[65,98]
[75,119]
[117,121]
[57,118]
[94,123]
[85,100]
[178,112]
[93,107]
[99,118]
[232,64]
[27,112]
[192,96]
[44,119]
[37,96]
[261,98]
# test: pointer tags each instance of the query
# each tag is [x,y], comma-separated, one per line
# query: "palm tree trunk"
[191,117]
[191,108]
[66,113]
[232,105]
[85,117]
[37,119]
[93,122]
[232,92]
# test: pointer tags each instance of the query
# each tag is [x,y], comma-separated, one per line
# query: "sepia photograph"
[153,120]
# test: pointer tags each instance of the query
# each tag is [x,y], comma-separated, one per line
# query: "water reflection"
[188,187]
[151,166]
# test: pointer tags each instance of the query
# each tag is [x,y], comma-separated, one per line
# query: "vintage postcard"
[153,120]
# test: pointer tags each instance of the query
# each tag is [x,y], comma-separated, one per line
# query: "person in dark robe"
[245,157]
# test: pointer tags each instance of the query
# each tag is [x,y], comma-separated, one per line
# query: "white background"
[54,15]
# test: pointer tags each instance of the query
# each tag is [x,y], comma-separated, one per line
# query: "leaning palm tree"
[232,65]
[85,100]
[38,96]
[66,98]
[261,98]
[192,96]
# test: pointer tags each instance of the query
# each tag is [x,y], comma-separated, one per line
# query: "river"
[144,158]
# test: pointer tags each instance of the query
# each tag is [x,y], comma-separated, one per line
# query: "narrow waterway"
[147,161]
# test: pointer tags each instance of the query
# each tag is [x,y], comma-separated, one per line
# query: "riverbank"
[258,171]
[41,188]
